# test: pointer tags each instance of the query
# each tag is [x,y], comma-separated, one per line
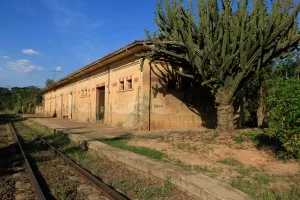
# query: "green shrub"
[17,108]
[239,139]
[283,106]
[216,134]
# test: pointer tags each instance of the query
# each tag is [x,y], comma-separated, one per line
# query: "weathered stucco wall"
[123,108]
[78,100]
[168,108]
[39,110]
[137,99]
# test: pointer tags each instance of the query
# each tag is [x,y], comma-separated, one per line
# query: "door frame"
[98,89]
[70,105]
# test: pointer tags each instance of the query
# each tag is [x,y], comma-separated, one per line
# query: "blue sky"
[39,37]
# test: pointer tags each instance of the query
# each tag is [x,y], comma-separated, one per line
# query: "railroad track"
[14,180]
[40,185]
[34,182]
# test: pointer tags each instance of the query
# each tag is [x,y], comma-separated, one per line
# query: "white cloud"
[22,66]
[4,58]
[1,69]
[57,69]
[30,52]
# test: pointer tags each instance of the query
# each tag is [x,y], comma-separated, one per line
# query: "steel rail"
[110,192]
[38,191]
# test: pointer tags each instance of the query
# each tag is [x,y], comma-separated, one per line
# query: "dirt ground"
[218,153]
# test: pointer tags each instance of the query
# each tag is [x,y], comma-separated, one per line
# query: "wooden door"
[100,104]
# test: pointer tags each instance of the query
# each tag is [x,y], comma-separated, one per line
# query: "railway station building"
[115,91]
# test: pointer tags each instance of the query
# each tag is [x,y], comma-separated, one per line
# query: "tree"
[283,104]
[20,100]
[288,67]
[49,82]
[223,48]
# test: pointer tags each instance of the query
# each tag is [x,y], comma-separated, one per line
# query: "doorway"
[70,106]
[100,104]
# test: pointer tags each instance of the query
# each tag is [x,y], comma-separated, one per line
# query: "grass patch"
[263,178]
[262,186]
[186,147]
[239,139]
[155,192]
[182,164]
[199,168]
[212,172]
[150,192]
[122,144]
[252,135]
[151,136]
[231,161]
[243,170]
[216,133]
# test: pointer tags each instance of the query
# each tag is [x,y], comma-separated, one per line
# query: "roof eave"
[132,48]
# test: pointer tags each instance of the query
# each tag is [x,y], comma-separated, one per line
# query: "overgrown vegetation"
[283,104]
[20,100]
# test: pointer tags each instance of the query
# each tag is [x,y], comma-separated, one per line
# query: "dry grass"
[239,159]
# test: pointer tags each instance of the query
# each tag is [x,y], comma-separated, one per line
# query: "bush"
[283,106]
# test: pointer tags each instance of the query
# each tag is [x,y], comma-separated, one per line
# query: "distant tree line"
[20,99]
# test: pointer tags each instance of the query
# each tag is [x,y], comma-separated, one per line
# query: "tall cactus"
[223,48]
